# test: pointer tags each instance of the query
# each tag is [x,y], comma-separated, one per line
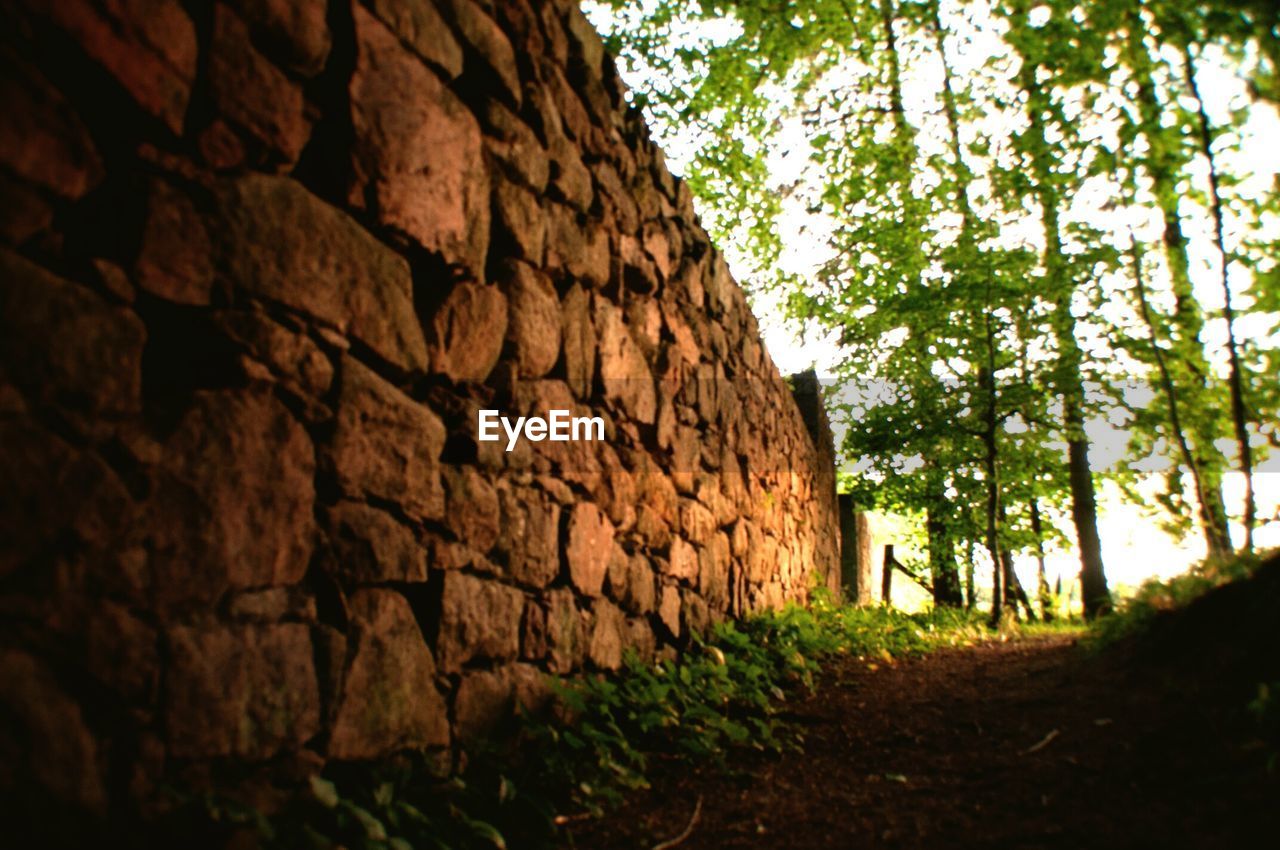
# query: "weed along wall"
[263,266]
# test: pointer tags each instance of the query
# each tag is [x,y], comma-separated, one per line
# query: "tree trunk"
[1042,579]
[970,585]
[1015,595]
[942,555]
[1168,388]
[1239,417]
[990,469]
[1070,381]
[1163,166]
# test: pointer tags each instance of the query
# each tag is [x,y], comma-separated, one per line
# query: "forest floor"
[1030,743]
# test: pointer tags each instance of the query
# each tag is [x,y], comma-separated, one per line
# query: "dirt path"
[1028,744]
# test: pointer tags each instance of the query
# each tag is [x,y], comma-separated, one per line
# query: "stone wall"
[262,263]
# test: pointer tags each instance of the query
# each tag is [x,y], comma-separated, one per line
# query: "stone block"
[417,150]
[483,701]
[122,652]
[529,535]
[281,243]
[467,332]
[372,547]
[62,343]
[565,641]
[624,373]
[683,560]
[242,691]
[579,341]
[577,247]
[713,571]
[42,139]
[386,445]
[669,609]
[608,636]
[533,326]
[54,491]
[489,43]
[292,357]
[233,499]
[697,523]
[147,46]
[294,32]
[252,93]
[589,547]
[389,699]
[479,619]
[473,512]
[419,25]
[519,225]
[514,145]
[50,750]
[175,255]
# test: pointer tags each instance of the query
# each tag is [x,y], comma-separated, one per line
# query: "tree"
[974,353]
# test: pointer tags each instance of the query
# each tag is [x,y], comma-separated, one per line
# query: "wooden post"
[855,553]
[886,586]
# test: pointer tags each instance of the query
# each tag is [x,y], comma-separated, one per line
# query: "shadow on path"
[1025,744]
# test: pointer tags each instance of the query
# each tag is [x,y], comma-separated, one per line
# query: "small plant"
[1265,708]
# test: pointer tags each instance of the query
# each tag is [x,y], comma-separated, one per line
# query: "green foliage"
[723,693]
[1265,709]
[1134,615]
[985,235]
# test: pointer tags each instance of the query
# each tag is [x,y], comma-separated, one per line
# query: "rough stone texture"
[49,744]
[467,332]
[479,619]
[147,46]
[251,93]
[371,546]
[389,699]
[418,149]
[589,547]
[64,343]
[295,31]
[175,259]
[233,501]
[247,691]
[534,325]
[282,243]
[385,446]
[262,262]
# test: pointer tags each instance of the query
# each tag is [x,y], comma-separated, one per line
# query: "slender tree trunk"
[1042,578]
[1167,386]
[990,466]
[1014,593]
[970,585]
[1084,511]
[1239,416]
[1163,166]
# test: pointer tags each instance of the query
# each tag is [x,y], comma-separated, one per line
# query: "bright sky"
[1134,545]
